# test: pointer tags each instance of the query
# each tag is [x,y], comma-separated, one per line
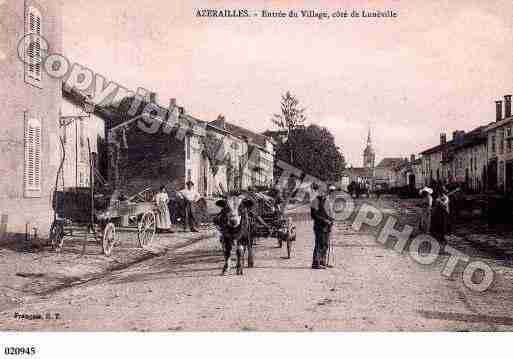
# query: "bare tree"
[292,117]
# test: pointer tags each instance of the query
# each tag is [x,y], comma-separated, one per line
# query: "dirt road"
[371,287]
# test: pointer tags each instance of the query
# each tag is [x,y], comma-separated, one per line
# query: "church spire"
[369,141]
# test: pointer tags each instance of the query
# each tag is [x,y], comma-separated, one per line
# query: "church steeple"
[368,154]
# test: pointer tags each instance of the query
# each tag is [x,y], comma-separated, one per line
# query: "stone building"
[499,140]
[385,172]
[180,148]
[461,161]
[150,151]
[30,102]
[256,159]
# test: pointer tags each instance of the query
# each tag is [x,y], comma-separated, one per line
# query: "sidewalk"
[27,274]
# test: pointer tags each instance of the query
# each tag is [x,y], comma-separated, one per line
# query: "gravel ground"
[371,287]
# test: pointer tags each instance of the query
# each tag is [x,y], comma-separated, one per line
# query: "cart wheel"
[146,229]
[109,238]
[57,235]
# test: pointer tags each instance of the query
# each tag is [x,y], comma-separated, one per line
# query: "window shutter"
[34,60]
[32,168]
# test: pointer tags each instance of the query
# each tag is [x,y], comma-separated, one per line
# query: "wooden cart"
[74,210]
[279,226]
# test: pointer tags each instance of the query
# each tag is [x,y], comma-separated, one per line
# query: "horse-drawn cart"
[279,225]
[100,216]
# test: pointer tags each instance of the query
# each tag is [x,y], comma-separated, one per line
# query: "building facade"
[30,102]
[499,141]
[385,172]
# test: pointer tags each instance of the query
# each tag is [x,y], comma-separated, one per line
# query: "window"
[189,175]
[33,53]
[32,165]
[493,144]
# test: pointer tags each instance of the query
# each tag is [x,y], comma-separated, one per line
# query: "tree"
[292,116]
[316,153]
[311,149]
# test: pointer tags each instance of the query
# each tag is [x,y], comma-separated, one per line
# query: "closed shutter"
[33,52]
[32,168]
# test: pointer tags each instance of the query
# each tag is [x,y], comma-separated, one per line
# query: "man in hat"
[322,213]
[190,196]
[427,206]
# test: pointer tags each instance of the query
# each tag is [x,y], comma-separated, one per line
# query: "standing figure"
[427,207]
[441,212]
[190,196]
[163,220]
[322,213]
[173,205]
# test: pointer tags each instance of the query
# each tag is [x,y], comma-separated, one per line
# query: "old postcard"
[290,166]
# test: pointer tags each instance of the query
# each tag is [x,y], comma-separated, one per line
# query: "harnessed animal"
[234,223]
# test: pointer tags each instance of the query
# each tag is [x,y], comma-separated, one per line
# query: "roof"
[494,125]
[240,132]
[472,138]
[390,162]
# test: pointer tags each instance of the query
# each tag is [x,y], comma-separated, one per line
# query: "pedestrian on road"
[441,212]
[190,196]
[173,205]
[322,213]
[427,207]
[163,220]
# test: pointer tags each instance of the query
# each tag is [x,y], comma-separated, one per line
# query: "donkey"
[234,223]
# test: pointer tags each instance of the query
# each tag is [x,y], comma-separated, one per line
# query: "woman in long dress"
[440,218]
[163,218]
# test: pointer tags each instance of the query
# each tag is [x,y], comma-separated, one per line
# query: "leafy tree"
[316,153]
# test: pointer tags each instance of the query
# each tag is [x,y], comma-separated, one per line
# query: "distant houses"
[480,160]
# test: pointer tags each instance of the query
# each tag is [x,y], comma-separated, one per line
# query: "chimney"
[153,97]
[507,106]
[498,111]
[412,158]
[443,138]
[172,104]
[221,121]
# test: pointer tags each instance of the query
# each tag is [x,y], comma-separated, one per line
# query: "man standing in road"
[190,196]
[322,212]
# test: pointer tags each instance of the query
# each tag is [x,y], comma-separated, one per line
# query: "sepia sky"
[439,66]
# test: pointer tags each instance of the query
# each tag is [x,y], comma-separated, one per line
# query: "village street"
[371,287]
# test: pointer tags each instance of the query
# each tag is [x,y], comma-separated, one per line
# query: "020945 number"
[20,350]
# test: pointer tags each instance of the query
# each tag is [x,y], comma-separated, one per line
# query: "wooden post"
[91,183]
